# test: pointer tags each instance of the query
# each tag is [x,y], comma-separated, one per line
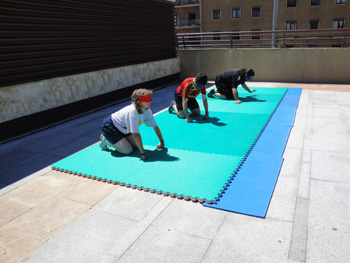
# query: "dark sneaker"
[171,107]
[211,93]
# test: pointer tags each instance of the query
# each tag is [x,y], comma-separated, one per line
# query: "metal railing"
[187,23]
[187,2]
[266,39]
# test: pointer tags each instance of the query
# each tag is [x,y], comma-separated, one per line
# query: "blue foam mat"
[251,190]
[272,141]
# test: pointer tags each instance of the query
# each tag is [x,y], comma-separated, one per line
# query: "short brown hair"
[139,93]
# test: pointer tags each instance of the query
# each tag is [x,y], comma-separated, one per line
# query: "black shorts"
[224,90]
[191,104]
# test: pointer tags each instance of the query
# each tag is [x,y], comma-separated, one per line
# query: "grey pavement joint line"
[212,240]
[119,249]
[297,250]
[298,244]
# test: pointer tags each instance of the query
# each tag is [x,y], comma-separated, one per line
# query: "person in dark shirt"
[228,81]
[185,97]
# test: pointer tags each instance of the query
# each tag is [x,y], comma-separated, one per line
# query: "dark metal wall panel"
[41,39]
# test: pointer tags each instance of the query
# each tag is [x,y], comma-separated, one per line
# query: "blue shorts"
[111,133]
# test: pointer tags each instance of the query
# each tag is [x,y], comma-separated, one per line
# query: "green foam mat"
[200,157]
[171,171]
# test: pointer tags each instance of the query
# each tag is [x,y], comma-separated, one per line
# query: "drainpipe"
[274,20]
[200,16]
[200,20]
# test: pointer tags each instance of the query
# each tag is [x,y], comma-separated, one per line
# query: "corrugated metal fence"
[41,39]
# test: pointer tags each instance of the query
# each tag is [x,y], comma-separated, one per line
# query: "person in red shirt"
[185,98]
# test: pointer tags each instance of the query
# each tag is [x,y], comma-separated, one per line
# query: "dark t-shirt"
[231,78]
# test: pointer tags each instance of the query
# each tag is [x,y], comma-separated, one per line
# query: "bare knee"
[181,115]
[123,146]
[126,151]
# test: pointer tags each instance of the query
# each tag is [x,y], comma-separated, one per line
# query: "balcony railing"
[266,39]
[186,23]
[187,2]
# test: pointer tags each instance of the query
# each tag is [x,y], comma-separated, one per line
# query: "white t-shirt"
[128,120]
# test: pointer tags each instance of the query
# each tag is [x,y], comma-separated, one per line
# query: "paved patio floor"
[48,216]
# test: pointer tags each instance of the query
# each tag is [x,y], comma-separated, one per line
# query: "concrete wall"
[316,65]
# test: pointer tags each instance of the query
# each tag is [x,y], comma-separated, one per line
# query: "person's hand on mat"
[143,156]
[206,116]
[160,145]
[253,90]
[189,120]
[238,102]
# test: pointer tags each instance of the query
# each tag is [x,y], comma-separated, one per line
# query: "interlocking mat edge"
[251,190]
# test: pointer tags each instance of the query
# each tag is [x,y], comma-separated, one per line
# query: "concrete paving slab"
[327,245]
[87,239]
[292,162]
[329,205]
[129,203]
[160,244]
[330,166]
[287,184]
[281,208]
[121,245]
[10,210]
[296,138]
[191,219]
[330,135]
[327,112]
[16,243]
[34,192]
[86,191]
[50,216]
[248,239]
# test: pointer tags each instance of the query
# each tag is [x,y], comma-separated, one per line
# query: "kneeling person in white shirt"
[121,129]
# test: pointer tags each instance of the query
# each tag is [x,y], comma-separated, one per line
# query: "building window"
[176,19]
[236,12]
[256,35]
[256,11]
[340,2]
[338,23]
[191,18]
[315,2]
[216,36]
[235,36]
[291,3]
[312,46]
[291,25]
[216,14]
[336,45]
[314,24]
